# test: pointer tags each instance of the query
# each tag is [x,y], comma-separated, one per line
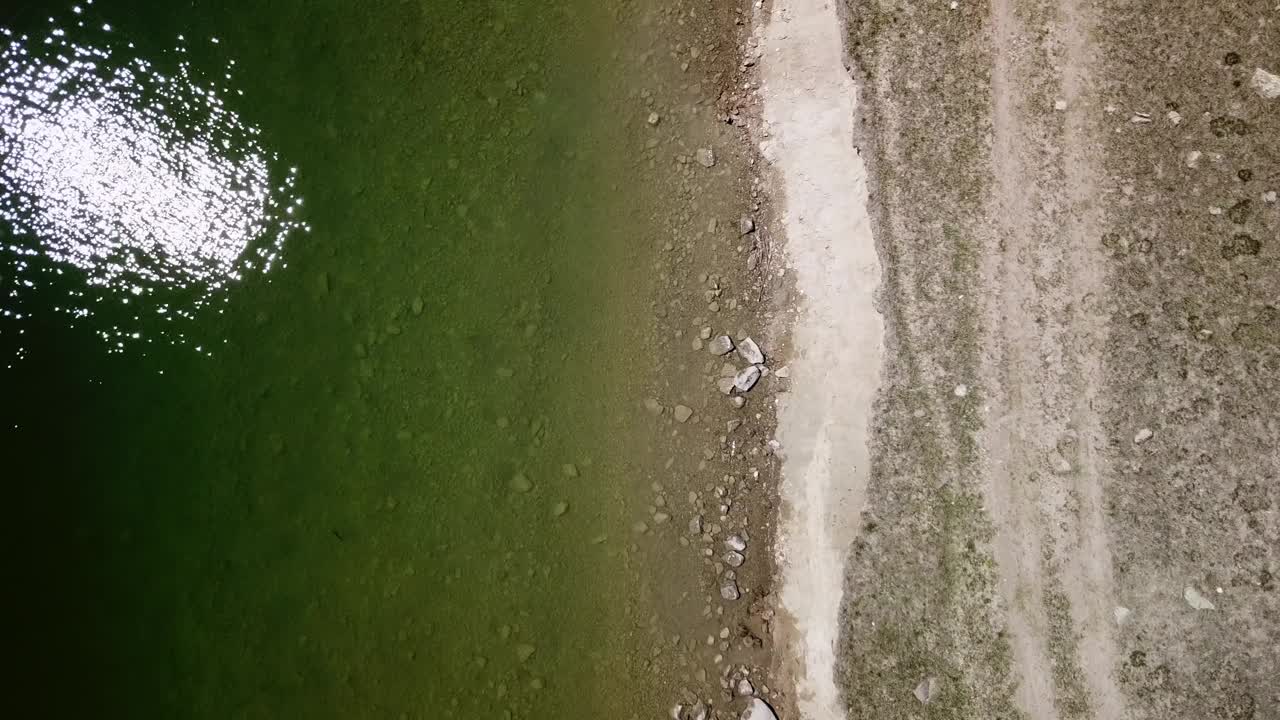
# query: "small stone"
[654,119]
[706,157]
[1121,614]
[758,710]
[746,225]
[1059,104]
[745,688]
[559,508]
[660,518]
[521,483]
[734,559]
[783,372]
[738,401]
[735,542]
[732,425]
[1269,196]
[1193,158]
[961,390]
[416,306]
[1196,600]
[1143,435]
[695,525]
[1265,84]
[720,346]
[705,333]
[750,351]
[1174,117]
[569,470]
[683,413]
[1059,463]
[926,690]
[747,378]
[729,590]
[524,651]
[726,385]
[653,406]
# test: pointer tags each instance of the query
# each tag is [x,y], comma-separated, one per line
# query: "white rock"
[1269,196]
[961,390]
[758,710]
[1121,614]
[745,688]
[926,690]
[720,346]
[706,157]
[735,542]
[747,378]
[750,351]
[1196,600]
[1143,435]
[734,559]
[1265,84]
[654,118]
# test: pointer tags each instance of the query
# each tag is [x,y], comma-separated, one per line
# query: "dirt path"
[1072,505]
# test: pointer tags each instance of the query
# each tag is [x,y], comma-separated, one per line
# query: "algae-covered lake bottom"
[397,475]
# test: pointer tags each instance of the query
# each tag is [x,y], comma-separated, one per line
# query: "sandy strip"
[837,336]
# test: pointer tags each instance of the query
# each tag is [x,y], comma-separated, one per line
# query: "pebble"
[569,470]
[747,378]
[559,509]
[926,690]
[734,559]
[1196,600]
[726,385]
[732,425]
[720,346]
[660,518]
[961,390]
[683,413]
[524,651]
[653,406]
[783,372]
[1143,435]
[1121,614]
[654,119]
[735,542]
[729,590]
[738,401]
[746,225]
[521,483]
[1266,84]
[706,157]
[1269,196]
[745,688]
[750,351]
[695,525]
[705,333]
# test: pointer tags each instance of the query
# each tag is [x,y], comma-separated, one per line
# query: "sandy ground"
[1065,504]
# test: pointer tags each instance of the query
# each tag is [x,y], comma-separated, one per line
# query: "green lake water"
[385,478]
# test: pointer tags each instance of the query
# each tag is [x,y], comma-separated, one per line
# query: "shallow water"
[385,477]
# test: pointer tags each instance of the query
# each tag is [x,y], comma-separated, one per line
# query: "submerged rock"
[521,483]
[750,351]
[729,590]
[926,690]
[706,157]
[683,413]
[720,346]
[747,378]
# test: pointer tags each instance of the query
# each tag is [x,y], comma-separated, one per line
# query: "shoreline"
[837,334]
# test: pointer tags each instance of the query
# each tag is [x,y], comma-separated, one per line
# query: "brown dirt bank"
[1073,454]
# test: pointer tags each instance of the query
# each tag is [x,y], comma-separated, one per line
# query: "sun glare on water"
[142,183]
